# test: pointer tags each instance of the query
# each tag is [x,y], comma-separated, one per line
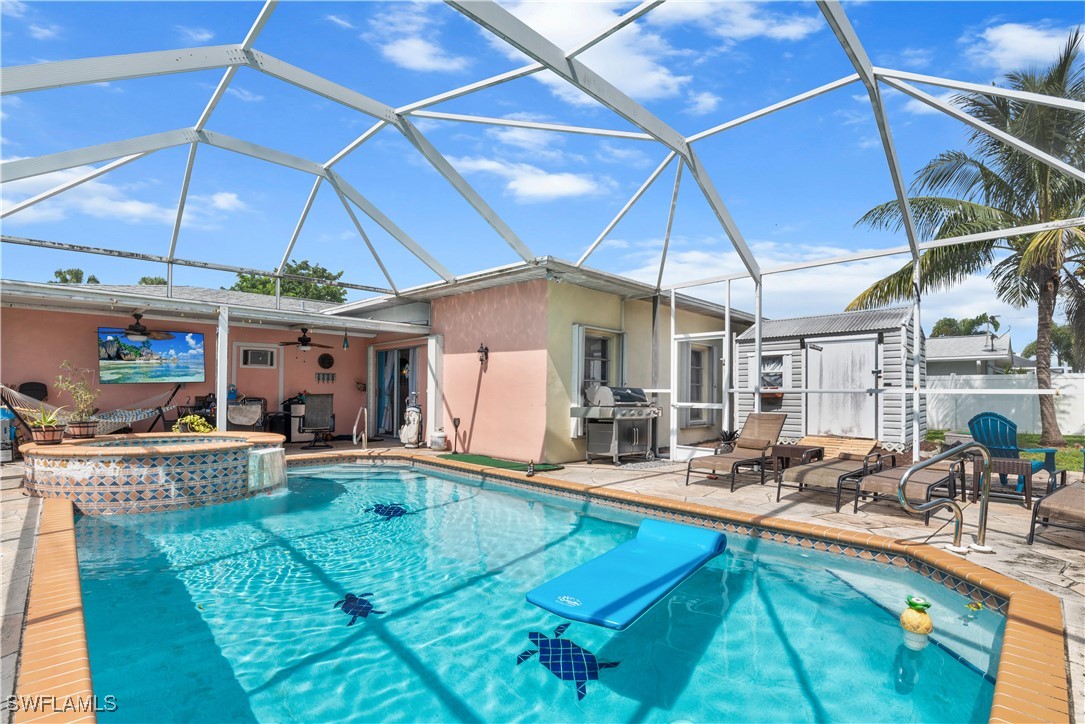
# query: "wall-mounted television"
[162,357]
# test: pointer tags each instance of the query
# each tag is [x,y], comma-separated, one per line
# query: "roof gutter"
[42,292]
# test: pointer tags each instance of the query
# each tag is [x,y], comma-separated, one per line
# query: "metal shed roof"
[873,320]
[970,347]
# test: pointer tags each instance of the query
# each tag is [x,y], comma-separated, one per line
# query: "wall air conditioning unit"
[261,357]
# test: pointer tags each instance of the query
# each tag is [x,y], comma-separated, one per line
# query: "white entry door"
[842,365]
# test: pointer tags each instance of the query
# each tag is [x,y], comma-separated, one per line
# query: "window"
[262,357]
[772,371]
[698,356]
[597,359]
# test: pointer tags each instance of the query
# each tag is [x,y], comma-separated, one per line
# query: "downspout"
[674,379]
[727,417]
[755,373]
[222,361]
[903,376]
[916,362]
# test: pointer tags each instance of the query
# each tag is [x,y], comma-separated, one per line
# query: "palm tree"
[999,187]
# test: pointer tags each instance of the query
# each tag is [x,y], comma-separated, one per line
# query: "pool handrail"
[958,514]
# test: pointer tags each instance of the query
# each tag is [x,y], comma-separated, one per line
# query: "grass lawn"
[1067,458]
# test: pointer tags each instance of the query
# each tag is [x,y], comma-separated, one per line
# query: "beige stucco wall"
[638,325]
[568,304]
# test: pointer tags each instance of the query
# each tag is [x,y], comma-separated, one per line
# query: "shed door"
[842,365]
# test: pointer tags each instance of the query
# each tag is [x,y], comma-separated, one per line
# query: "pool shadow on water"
[660,651]
[149,645]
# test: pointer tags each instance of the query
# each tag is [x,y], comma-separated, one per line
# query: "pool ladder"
[958,515]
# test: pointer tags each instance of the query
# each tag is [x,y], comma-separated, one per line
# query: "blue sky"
[795,181]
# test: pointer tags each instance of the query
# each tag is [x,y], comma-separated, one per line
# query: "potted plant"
[77,383]
[45,426]
[193,423]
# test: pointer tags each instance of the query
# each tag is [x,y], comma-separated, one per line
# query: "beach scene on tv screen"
[170,357]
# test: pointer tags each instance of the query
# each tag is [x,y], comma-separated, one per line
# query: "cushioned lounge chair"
[759,433]
[1066,504]
[829,475]
[922,484]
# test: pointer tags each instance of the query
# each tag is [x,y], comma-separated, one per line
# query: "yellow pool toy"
[916,623]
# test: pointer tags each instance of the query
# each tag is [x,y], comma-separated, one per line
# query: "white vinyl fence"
[952,412]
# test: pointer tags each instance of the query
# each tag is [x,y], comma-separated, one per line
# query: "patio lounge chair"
[855,457]
[318,418]
[759,433]
[883,485]
[999,435]
[1066,503]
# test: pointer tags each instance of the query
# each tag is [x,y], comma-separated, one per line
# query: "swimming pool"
[229,613]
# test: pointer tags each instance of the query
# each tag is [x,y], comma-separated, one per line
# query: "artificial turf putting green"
[497,463]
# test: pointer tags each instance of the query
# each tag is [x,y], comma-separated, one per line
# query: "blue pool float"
[614,589]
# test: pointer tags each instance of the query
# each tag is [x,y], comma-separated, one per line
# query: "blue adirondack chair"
[999,435]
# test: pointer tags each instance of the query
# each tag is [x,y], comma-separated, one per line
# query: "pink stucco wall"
[33,344]
[502,406]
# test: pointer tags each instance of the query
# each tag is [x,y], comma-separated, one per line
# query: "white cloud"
[194,35]
[44,32]
[531,184]
[610,153]
[920,108]
[737,21]
[702,103]
[115,202]
[824,290]
[340,21]
[13,8]
[631,59]
[1015,46]
[8,103]
[423,55]
[407,35]
[916,57]
[244,95]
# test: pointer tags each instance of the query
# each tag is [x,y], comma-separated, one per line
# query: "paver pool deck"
[1055,563]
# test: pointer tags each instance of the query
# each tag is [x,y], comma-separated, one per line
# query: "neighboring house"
[976,354]
[550,330]
[863,350]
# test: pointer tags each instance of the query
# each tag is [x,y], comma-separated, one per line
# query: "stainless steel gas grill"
[618,421]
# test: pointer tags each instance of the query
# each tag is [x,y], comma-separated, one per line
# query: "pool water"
[228,613]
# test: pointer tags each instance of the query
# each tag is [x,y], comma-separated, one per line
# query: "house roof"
[216,296]
[549,268]
[870,320]
[194,303]
[969,348]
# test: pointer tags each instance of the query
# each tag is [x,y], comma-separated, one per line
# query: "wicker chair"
[750,449]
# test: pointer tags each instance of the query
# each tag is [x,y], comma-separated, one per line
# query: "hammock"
[108,420]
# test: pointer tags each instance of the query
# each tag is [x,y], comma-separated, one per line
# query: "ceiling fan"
[305,342]
[138,332]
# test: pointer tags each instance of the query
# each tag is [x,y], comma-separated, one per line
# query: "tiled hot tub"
[150,472]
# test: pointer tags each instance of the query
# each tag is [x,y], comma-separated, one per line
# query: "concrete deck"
[1055,563]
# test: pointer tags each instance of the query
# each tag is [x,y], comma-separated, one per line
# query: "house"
[549,330]
[869,352]
[976,354]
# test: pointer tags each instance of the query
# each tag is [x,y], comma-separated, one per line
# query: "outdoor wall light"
[346,342]
[483,354]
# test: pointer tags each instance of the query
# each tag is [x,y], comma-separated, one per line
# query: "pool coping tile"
[1033,648]
[54,661]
